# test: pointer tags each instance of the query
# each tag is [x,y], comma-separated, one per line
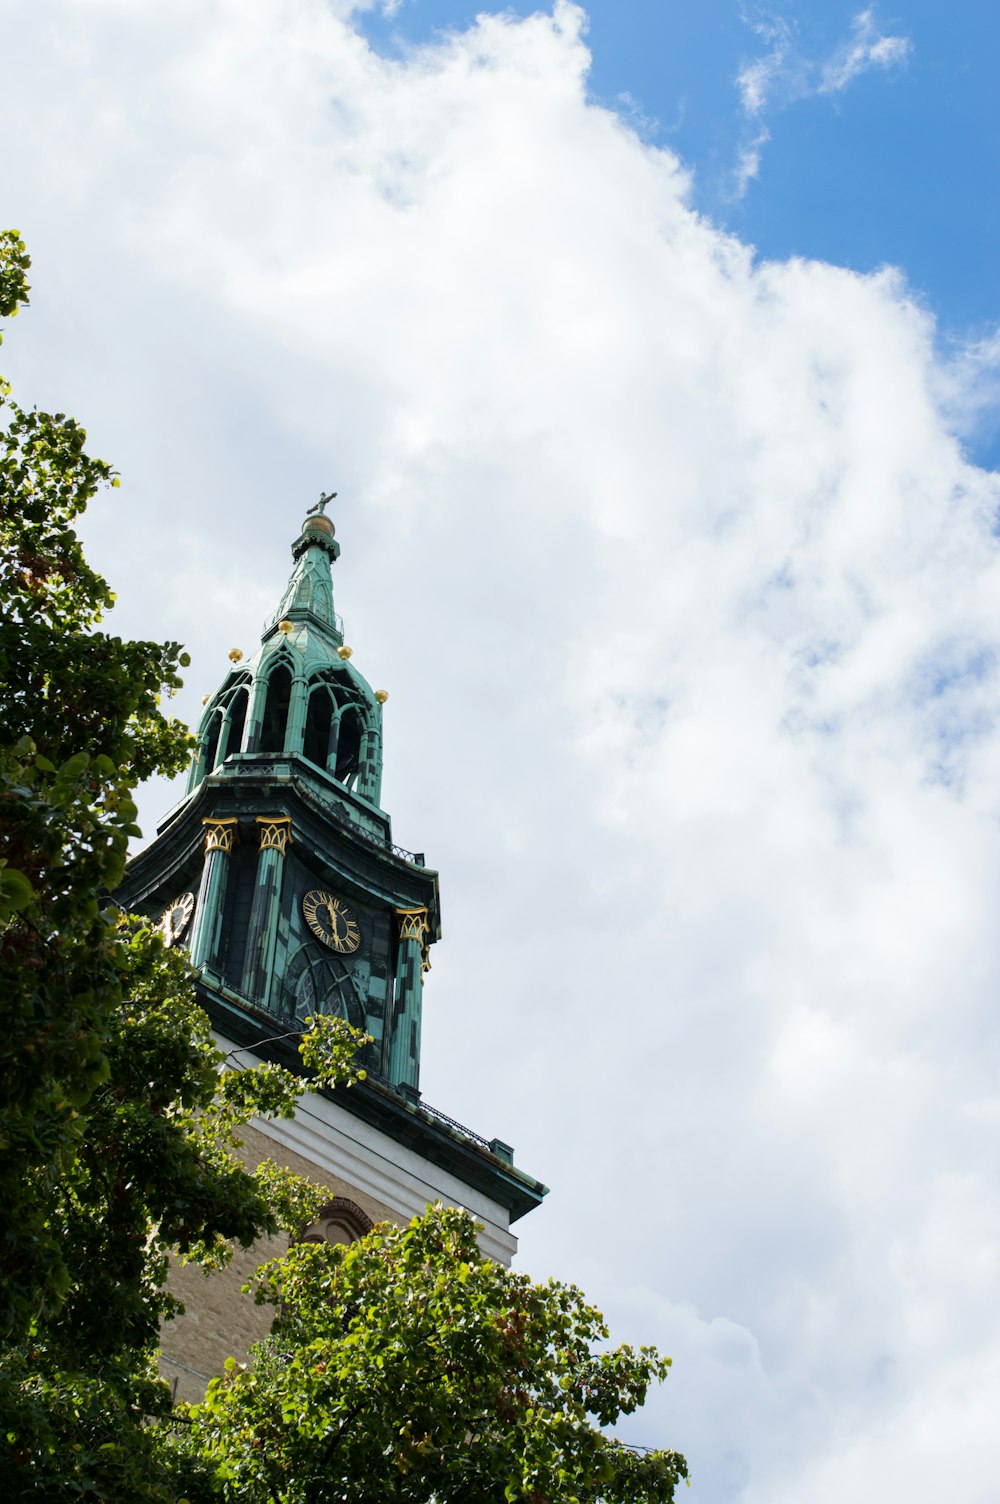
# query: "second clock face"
[331,921]
[175,918]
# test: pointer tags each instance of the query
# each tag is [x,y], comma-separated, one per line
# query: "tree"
[154,1172]
[80,726]
[117,1137]
[409,1367]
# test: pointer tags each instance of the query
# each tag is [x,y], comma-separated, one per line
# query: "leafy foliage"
[14,263]
[408,1367]
[155,1171]
[80,725]
[117,1140]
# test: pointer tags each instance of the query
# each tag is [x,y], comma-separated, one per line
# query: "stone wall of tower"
[219,1321]
[383,1179]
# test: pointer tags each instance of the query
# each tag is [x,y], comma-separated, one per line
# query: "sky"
[857,134]
[653,355]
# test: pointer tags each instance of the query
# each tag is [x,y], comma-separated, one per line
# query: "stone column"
[295,726]
[197,770]
[220,838]
[369,783]
[255,713]
[404,1033]
[334,739]
[262,929]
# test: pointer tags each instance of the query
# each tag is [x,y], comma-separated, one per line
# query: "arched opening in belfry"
[221,730]
[348,747]
[319,723]
[279,692]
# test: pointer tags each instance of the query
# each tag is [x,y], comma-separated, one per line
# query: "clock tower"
[278,872]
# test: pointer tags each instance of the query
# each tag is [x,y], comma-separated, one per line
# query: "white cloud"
[968,385]
[749,160]
[758,77]
[686,600]
[783,75]
[866,48]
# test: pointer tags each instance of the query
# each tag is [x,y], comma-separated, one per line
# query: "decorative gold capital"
[275,833]
[413,925]
[220,835]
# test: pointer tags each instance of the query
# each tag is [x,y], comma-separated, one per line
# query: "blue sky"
[898,165]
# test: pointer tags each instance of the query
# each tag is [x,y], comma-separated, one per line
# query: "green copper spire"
[309,593]
[299,696]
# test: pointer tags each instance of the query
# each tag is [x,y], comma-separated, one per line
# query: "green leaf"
[15,890]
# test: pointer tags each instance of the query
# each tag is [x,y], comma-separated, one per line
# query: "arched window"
[338,731]
[279,691]
[340,1221]
[319,723]
[314,983]
[221,731]
[348,747]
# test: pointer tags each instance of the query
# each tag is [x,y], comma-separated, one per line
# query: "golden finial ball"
[204,699]
[235,655]
[286,626]
[381,695]
[344,652]
[319,525]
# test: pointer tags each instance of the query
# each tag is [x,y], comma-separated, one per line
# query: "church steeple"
[309,593]
[299,694]
[279,873]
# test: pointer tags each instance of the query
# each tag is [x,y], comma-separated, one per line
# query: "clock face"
[331,921]
[175,918]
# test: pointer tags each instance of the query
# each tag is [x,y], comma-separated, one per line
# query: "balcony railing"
[415,858]
[338,624]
